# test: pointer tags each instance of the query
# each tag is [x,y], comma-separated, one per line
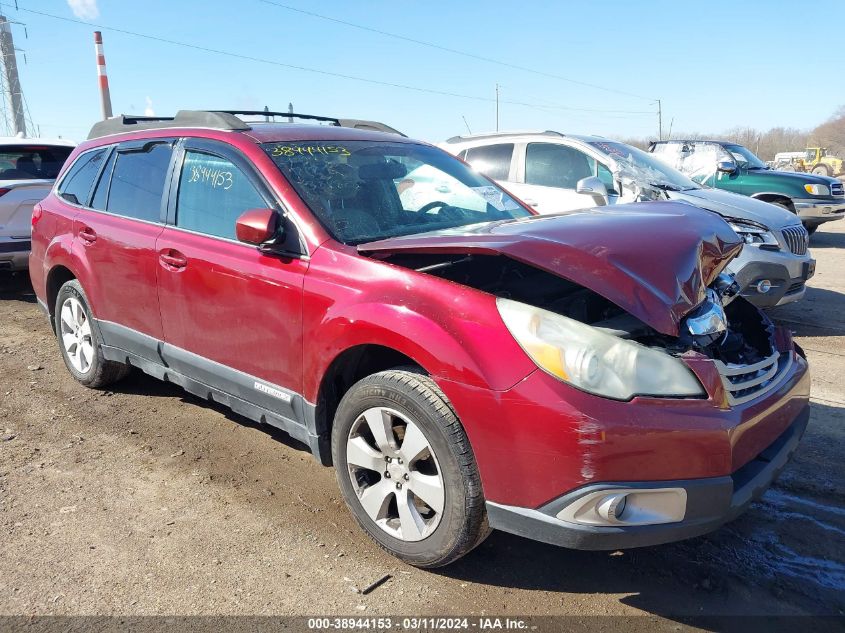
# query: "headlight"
[751,234]
[589,359]
[817,190]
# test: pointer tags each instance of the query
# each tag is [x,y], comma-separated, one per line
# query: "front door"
[232,315]
[551,173]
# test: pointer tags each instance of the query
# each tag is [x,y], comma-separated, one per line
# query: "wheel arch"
[776,198]
[346,368]
[58,276]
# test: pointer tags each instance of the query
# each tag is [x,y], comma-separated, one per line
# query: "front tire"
[406,469]
[821,170]
[79,340]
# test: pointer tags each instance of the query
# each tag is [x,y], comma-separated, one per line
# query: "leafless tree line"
[830,134]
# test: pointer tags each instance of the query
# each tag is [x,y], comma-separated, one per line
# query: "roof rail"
[183,118]
[219,119]
[465,137]
[289,115]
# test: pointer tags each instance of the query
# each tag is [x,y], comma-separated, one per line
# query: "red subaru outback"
[588,380]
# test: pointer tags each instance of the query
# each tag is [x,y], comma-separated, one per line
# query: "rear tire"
[821,170]
[812,229]
[79,340]
[422,503]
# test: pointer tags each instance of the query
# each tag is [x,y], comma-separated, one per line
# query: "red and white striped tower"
[105,95]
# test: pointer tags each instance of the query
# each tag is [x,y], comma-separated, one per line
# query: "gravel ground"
[146,500]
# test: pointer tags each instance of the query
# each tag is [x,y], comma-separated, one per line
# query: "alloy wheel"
[75,335]
[395,474]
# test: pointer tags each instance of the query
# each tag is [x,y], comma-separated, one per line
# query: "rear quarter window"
[77,183]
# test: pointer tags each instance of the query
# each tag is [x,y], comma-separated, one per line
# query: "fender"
[453,332]
[66,251]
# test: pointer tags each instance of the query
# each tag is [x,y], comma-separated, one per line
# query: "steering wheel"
[432,205]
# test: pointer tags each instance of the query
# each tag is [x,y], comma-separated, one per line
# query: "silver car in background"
[554,173]
[28,167]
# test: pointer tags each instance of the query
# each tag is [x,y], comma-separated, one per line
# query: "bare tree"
[831,133]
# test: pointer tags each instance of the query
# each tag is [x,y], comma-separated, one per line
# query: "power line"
[454,51]
[271,62]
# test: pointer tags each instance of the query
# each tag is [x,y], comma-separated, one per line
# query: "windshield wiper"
[665,186]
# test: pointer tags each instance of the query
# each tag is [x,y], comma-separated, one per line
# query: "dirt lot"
[145,500]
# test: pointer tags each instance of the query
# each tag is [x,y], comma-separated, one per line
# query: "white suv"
[28,167]
[554,173]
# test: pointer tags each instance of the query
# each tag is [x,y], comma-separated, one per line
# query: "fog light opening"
[763,286]
[612,507]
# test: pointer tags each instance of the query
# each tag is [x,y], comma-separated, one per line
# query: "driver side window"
[213,193]
[552,165]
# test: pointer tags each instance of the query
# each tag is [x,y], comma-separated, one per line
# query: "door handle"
[172,260]
[87,235]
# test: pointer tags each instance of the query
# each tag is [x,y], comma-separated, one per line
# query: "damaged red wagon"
[590,380]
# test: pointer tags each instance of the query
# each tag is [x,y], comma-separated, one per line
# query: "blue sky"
[715,65]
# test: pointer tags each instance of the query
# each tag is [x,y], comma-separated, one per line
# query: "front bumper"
[814,212]
[786,273]
[711,502]
[14,255]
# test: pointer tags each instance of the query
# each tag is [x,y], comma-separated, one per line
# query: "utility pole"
[659,121]
[290,112]
[14,96]
[497,107]
[105,94]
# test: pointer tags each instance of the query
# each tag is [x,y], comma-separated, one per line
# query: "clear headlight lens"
[817,190]
[751,234]
[589,359]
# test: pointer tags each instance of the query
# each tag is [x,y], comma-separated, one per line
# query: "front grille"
[746,382]
[797,239]
[837,189]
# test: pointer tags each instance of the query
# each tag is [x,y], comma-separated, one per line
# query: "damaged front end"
[604,343]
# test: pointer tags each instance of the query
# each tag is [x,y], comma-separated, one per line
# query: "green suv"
[815,199]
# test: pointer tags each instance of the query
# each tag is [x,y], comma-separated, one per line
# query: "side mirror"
[257,226]
[593,186]
[726,166]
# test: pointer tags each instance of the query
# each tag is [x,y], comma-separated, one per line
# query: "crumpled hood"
[653,259]
[734,205]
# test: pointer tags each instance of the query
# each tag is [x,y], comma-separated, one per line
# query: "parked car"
[554,172]
[28,168]
[461,368]
[815,198]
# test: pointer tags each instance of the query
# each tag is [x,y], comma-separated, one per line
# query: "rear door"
[118,233]
[232,315]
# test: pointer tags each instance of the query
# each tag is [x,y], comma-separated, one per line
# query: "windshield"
[643,168]
[745,157]
[368,190]
[32,162]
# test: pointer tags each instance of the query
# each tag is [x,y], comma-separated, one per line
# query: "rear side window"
[138,182]
[494,161]
[551,165]
[32,162]
[76,185]
[213,193]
